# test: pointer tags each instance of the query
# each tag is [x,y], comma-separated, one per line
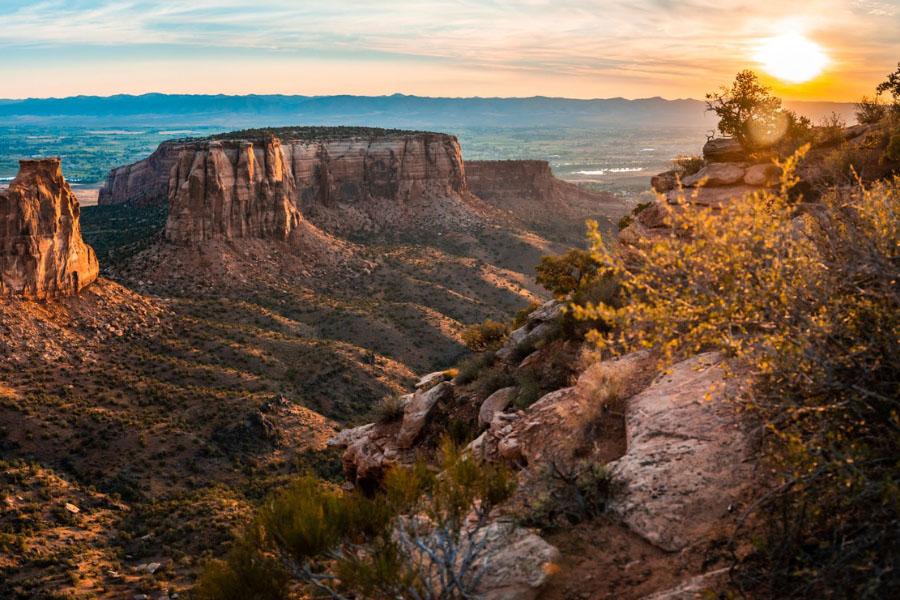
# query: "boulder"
[539,325]
[556,426]
[345,437]
[370,451]
[516,563]
[764,174]
[687,456]
[663,182]
[426,382]
[711,196]
[417,411]
[42,254]
[716,174]
[496,402]
[723,150]
[653,216]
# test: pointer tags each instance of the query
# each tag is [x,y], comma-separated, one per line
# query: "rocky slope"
[676,453]
[41,250]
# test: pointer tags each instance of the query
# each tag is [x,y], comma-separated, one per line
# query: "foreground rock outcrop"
[42,253]
[688,458]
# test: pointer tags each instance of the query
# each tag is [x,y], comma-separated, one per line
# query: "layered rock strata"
[231,190]
[42,253]
[258,184]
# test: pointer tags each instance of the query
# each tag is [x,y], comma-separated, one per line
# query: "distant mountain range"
[385,111]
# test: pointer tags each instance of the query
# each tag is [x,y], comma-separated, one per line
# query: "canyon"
[257,290]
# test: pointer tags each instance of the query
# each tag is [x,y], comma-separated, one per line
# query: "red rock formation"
[529,190]
[254,184]
[231,190]
[41,250]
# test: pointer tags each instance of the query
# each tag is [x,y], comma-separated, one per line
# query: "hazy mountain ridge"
[397,109]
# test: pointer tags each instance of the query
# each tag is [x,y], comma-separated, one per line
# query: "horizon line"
[392,95]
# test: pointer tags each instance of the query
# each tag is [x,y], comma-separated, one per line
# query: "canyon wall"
[231,190]
[42,253]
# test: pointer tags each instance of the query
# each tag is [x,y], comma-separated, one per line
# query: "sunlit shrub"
[488,335]
[687,165]
[870,110]
[563,274]
[810,305]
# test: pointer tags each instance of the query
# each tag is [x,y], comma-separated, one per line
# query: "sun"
[791,57]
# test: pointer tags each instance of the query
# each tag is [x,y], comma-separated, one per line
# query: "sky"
[577,49]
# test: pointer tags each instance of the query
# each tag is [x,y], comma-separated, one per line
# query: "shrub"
[841,165]
[572,495]
[870,110]
[746,110]
[489,335]
[521,315]
[892,152]
[687,165]
[812,308]
[244,574]
[470,368]
[494,380]
[529,390]
[830,131]
[891,85]
[389,410]
[565,273]
[752,115]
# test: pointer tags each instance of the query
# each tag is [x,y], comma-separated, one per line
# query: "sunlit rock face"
[261,185]
[231,190]
[42,253]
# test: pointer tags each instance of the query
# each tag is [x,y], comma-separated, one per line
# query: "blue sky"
[591,48]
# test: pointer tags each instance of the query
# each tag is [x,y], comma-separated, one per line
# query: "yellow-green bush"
[488,335]
[810,305]
[565,273]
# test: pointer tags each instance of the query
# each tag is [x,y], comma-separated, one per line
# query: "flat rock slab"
[723,149]
[686,457]
[716,174]
[711,196]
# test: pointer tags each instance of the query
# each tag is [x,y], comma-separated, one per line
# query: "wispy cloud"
[634,44]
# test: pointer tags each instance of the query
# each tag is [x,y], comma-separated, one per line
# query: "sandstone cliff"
[231,190]
[41,250]
[258,183]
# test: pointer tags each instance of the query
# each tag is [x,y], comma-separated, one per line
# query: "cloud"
[627,42]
